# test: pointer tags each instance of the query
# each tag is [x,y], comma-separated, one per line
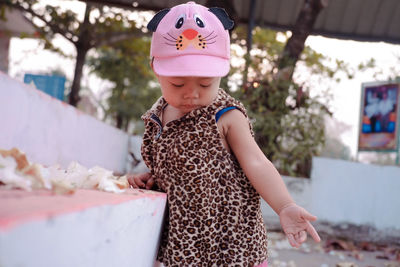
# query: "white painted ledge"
[88,228]
[52,132]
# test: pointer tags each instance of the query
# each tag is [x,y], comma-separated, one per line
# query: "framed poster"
[379,115]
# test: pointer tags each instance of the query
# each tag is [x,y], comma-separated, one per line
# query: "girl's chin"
[188,108]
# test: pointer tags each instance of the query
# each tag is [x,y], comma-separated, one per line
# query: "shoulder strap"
[222,111]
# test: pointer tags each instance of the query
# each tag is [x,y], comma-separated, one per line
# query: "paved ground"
[330,253]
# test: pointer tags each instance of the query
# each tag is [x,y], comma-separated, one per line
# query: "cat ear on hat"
[223,17]
[153,24]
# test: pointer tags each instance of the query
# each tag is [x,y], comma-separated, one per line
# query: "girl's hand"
[143,180]
[295,222]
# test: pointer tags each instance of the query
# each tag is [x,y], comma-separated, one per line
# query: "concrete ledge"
[351,200]
[356,193]
[52,132]
[88,228]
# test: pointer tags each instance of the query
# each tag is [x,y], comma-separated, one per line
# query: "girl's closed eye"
[205,85]
[178,84]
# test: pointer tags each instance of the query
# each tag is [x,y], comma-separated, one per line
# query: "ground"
[330,252]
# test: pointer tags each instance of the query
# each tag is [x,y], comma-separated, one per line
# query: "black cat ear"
[223,17]
[152,26]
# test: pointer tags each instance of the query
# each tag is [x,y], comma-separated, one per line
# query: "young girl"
[199,147]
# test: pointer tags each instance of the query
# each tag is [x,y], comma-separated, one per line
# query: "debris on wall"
[17,172]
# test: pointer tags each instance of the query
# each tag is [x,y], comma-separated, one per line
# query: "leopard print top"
[214,212]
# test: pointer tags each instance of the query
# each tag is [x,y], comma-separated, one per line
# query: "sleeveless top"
[214,216]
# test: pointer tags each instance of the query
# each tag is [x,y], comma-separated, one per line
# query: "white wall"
[116,233]
[50,131]
[119,232]
[362,194]
[344,192]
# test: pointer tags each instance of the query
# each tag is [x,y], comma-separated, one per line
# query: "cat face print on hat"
[191,40]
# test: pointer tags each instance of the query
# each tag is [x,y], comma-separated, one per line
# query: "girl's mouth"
[190,106]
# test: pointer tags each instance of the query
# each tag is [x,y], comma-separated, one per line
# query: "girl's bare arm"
[265,178]
[260,171]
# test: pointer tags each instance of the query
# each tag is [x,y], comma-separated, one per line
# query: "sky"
[25,57]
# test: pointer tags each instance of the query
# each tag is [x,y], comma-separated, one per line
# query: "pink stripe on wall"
[18,207]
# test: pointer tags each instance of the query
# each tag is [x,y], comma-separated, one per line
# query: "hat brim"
[192,65]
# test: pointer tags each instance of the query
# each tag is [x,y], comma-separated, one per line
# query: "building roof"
[361,20]
[16,24]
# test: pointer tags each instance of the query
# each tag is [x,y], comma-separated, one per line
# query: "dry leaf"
[19,157]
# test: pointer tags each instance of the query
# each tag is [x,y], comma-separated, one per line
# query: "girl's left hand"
[295,222]
[143,180]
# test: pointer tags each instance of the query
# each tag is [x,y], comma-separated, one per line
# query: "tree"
[288,124]
[288,121]
[285,116]
[302,29]
[101,26]
[288,114]
[126,64]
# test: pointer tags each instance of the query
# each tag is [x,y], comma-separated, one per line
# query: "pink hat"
[191,40]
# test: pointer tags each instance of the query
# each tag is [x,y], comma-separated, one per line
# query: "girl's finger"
[301,237]
[150,183]
[313,233]
[308,216]
[131,181]
[145,177]
[139,182]
[292,240]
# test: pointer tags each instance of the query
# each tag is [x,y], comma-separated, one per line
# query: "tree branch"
[110,38]
[295,45]
[54,27]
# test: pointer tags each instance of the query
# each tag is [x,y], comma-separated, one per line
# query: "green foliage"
[288,123]
[126,64]
[101,25]
[2,12]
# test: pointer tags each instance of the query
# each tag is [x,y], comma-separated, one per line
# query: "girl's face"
[189,93]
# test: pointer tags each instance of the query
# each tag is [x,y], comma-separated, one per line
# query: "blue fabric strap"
[222,111]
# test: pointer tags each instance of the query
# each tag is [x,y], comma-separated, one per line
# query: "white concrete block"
[50,131]
[362,194]
[105,230]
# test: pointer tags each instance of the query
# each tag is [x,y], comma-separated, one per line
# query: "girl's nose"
[191,93]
